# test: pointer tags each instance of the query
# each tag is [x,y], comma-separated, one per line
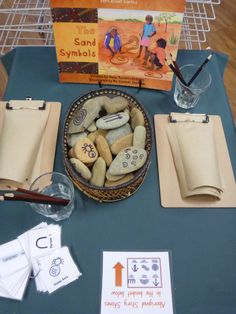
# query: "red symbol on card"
[118,274]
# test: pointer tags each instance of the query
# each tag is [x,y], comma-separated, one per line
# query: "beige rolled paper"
[195,158]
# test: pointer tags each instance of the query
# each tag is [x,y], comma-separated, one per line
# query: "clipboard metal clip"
[175,117]
[28,100]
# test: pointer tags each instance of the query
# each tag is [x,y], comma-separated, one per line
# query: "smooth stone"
[92,127]
[71,153]
[73,138]
[122,143]
[113,178]
[128,160]
[125,179]
[137,118]
[103,149]
[81,168]
[85,116]
[98,172]
[85,151]
[139,138]
[116,104]
[127,111]
[112,121]
[92,136]
[115,134]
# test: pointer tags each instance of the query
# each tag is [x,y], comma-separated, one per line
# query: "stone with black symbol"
[85,151]
[98,172]
[116,104]
[112,121]
[83,117]
[139,138]
[81,168]
[115,134]
[128,160]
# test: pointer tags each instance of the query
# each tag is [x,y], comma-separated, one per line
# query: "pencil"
[176,66]
[195,75]
[34,199]
[29,192]
[177,74]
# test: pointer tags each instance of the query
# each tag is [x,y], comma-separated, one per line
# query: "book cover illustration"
[115,43]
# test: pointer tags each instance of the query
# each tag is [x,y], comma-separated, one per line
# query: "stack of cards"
[38,249]
[14,270]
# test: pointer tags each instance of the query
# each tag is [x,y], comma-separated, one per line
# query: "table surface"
[202,241]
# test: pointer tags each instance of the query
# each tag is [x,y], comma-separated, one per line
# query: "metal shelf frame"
[24,21]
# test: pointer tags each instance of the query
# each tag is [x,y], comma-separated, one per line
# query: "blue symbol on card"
[55,269]
[144,280]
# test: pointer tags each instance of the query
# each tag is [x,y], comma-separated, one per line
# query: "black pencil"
[176,66]
[199,69]
[180,77]
[34,199]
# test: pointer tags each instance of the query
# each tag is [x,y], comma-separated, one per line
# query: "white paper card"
[57,269]
[12,258]
[136,282]
[44,240]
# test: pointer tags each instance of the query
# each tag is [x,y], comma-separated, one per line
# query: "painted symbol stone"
[85,151]
[83,118]
[112,121]
[115,134]
[124,162]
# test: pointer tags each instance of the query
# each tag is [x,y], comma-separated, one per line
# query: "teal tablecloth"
[202,241]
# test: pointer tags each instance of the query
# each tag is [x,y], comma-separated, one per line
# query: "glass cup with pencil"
[51,195]
[191,82]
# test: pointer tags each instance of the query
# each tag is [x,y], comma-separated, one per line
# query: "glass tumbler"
[57,185]
[187,96]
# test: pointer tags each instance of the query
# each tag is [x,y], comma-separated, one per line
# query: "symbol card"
[136,282]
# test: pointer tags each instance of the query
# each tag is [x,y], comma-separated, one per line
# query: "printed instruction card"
[136,282]
[117,42]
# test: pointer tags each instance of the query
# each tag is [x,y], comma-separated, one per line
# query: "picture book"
[117,42]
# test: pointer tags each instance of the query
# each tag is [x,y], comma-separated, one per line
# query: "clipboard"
[169,187]
[44,159]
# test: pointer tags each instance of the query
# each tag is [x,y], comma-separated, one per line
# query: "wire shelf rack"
[28,22]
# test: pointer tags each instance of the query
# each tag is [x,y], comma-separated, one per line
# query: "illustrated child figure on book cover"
[117,43]
[158,55]
[149,31]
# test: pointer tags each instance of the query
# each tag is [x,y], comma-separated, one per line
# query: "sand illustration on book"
[136,46]
[117,44]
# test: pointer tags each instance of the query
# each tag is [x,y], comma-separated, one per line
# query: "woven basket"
[106,194]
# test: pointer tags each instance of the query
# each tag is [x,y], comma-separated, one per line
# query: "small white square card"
[57,269]
[136,282]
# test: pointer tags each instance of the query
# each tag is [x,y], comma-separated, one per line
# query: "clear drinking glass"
[58,185]
[187,96]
